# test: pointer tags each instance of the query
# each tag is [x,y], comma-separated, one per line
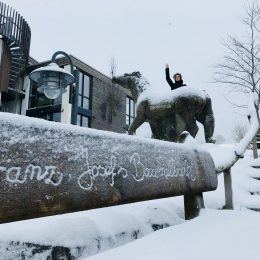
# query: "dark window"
[84,100]
[51,117]
[84,91]
[130,111]
[38,100]
[83,120]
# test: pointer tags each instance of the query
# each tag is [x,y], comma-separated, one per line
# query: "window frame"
[131,109]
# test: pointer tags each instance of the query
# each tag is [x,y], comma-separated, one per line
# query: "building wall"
[108,106]
[66,108]
[25,100]
[108,100]
[5,63]
[1,49]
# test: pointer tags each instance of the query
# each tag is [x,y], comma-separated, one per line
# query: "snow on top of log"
[60,129]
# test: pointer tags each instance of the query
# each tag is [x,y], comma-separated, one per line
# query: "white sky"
[140,35]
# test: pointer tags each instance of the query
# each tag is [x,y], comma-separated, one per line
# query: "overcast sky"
[139,35]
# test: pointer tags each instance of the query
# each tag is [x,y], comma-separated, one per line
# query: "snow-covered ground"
[216,234]
[229,235]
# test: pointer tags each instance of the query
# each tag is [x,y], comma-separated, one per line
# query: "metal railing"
[16,33]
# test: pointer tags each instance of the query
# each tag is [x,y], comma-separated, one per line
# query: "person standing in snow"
[177,79]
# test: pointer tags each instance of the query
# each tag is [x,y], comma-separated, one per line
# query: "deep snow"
[214,235]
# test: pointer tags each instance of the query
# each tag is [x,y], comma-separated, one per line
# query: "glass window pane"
[132,108]
[56,117]
[85,103]
[79,100]
[57,100]
[80,82]
[127,106]
[33,102]
[78,119]
[85,121]
[34,88]
[43,101]
[86,88]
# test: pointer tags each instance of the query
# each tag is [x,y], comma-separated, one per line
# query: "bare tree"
[112,67]
[113,98]
[241,64]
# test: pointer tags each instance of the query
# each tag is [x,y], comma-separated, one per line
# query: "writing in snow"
[50,175]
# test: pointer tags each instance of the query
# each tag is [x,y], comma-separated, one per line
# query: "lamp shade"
[52,80]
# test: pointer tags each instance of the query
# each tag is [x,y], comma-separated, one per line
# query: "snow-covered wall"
[48,168]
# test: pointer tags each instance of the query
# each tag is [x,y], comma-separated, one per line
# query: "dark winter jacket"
[175,85]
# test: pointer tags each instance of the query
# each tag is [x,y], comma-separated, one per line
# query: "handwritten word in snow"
[173,169]
[87,178]
[49,174]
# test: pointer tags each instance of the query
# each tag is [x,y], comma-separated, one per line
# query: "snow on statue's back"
[156,96]
[170,113]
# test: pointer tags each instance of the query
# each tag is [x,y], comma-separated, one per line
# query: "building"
[102,104]
[15,37]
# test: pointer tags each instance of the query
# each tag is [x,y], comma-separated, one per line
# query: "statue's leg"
[171,134]
[209,128]
[180,125]
[186,122]
[191,125]
[168,129]
[208,121]
[158,131]
[140,117]
[138,121]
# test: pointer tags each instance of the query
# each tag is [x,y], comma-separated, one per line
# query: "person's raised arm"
[167,73]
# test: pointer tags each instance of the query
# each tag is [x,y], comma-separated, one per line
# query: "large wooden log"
[48,168]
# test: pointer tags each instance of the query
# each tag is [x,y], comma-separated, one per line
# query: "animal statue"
[170,116]
[171,113]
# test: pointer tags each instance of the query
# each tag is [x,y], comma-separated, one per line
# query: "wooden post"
[228,189]
[255,153]
[192,205]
